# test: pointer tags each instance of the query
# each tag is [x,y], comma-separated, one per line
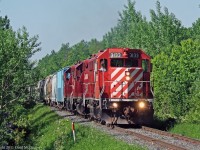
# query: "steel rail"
[177,136]
[151,140]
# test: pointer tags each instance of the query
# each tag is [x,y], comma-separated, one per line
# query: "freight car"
[40,89]
[112,86]
[51,89]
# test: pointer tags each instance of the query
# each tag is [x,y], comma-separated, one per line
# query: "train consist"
[112,86]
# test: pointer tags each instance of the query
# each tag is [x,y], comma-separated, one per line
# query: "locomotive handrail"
[88,83]
[150,86]
[120,81]
[151,89]
[146,86]
[85,94]
[141,81]
[102,90]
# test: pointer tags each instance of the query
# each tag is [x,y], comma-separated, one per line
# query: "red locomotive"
[112,86]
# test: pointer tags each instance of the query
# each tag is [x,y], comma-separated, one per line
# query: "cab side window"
[68,75]
[103,63]
[145,65]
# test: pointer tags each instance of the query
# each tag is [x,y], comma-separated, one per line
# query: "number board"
[115,55]
[134,55]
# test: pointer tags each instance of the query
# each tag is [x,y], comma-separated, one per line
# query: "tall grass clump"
[187,129]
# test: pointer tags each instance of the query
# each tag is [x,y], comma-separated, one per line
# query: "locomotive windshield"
[117,63]
[124,63]
[131,63]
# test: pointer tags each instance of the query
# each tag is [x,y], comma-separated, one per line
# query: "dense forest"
[175,52]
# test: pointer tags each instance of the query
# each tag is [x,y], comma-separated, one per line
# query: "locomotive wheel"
[80,109]
[97,113]
[91,118]
[68,105]
[85,116]
[112,126]
[108,124]
[102,122]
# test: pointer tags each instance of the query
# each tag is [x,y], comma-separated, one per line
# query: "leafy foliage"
[176,80]
[16,75]
[67,56]
[133,30]
[195,30]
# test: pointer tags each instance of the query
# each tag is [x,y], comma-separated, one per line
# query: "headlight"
[141,104]
[115,105]
[127,73]
[128,78]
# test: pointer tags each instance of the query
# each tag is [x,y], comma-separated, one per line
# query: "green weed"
[187,129]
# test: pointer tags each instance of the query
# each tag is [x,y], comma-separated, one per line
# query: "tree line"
[175,56]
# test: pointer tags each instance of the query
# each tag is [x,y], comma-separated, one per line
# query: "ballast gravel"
[129,139]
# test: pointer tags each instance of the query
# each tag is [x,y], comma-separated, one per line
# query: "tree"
[4,23]
[195,30]
[176,81]
[16,75]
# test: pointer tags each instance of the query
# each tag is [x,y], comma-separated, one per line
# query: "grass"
[50,131]
[187,129]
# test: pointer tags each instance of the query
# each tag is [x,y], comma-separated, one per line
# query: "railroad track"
[151,140]
[177,136]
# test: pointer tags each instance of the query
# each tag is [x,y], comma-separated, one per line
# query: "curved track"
[177,136]
[153,141]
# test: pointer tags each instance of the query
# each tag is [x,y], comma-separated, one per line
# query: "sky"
[70,21]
